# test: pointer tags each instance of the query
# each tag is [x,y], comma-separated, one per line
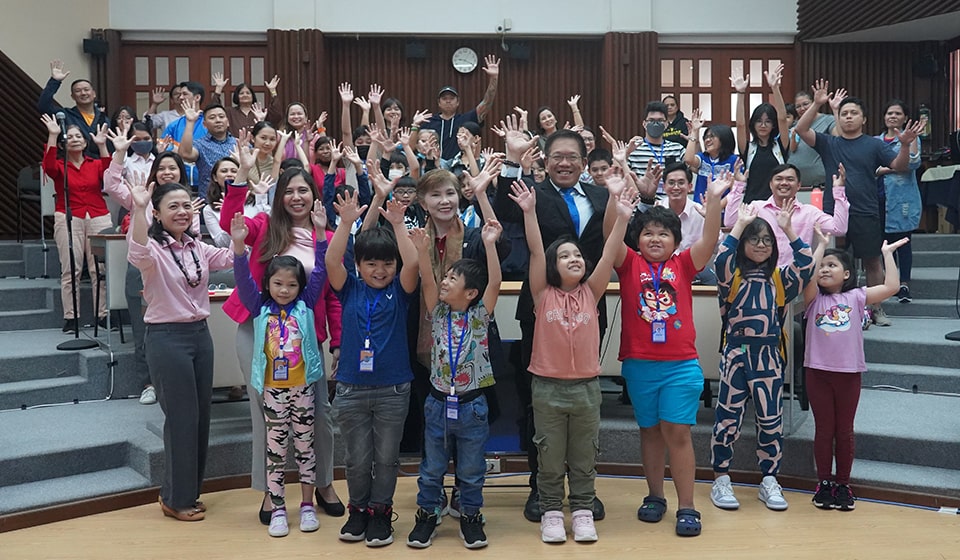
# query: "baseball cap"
[448,89]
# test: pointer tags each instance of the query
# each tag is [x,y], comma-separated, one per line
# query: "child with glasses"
[753,294]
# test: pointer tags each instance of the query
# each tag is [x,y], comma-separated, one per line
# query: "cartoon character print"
[835,319]
[649,298]
[292,345]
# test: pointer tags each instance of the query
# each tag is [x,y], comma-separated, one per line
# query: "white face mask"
[395,174]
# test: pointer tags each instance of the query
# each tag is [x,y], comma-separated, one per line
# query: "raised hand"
[654,171]
[352,156]
[491,168]
[627,202]
[696,122]
[529,156]
[746,214]
[836,98]
[615,181]
[773,78]
[840,177]
[498,131]
[740,172]
[158,96]
[319,217]
[139,191]
[719,185]
[272,84]
[284,136]
[516,139]
[890,248]
[522,113]
[190,110]
[421,117]
[197,204]
[53,129]
[362,103]
[524,196]
[376,93]
[346,93]
[491,232]
[785,215]
[259,111]
[823,239]
[491,65]
[740,82]
[394,212]
[346,206]
[573,101]
[320,121]
[247,155]
[911,130]
[263,187]
[238,233]
[57,71]
[403,134]
[382,186]
[219,82]
[100,137]
[421,240]
[821,91]
[119,139]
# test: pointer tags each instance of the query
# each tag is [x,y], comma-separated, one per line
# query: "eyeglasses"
[764,123]
[216,287]
[405,192]
[573,158]
[757,241]
[651,121]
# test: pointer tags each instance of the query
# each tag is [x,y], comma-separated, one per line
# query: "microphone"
[62,121]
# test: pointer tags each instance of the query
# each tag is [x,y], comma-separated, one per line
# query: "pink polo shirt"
[566,336]
[170,299]
[804,218]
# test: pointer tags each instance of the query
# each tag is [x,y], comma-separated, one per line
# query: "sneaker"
[444,505]
[471,531]
[102,325]
[308,519]
[823,497]
[278,523]
[380,528]
[454,507]
[867,318]
[880,317]
[583,527]
[771,494]
[531,510]
[903,295]
[424,529]
[551,527]
[70,326]
[722,493]
[148,395]
[843,498]
[355,528]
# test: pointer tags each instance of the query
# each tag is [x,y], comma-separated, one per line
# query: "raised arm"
[702,249]
[382,187]
[347,207]
[318,277]
[823,240]
[891,276]
[428,283]
[57,75]
[409,271]
[186,149]
[490,235]
[735,196]
[739,83]
[374,97]
[517,143]
[690,155]
[346,125]
[245,284]
[837,223]
[480,182]
[526,199]
[625,205]
[907,136]
[574,103]
[773,80]
[138,218]
[820,96]
[492,68]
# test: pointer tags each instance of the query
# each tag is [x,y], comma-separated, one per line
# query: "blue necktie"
[572,207]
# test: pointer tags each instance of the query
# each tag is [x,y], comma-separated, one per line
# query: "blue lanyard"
[370,310]
[662,148]
[463,336]
[656,280]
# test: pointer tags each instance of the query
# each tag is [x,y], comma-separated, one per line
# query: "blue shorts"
[667,391]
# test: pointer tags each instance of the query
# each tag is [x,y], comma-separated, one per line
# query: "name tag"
[281,369]
[366,360]
[453,407]
[659,331]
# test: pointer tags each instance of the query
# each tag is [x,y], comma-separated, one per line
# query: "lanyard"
[656,280]
[463,336]
[663,147]
[370,309]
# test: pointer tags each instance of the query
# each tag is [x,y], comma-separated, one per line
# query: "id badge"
[366,360]
[281,369]
[659,331]
[453,407]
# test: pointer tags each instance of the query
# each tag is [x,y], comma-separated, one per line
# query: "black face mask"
[362,151]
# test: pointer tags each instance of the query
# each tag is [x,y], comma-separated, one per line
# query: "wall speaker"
[96,47]
[415,49]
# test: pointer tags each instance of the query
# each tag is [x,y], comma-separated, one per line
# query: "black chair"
[28,191]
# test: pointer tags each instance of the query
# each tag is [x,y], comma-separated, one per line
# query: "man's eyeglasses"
[573,158]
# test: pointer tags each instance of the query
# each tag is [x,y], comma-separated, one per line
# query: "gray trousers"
[135,305]
[322,426]
[181,364]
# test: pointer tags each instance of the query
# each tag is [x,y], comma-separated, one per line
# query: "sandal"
[652,509]
[192,514]
[688,522]
[200,506]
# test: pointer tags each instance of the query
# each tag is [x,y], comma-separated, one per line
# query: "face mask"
[142,147]
[395,174]
[362,151]
[655,129]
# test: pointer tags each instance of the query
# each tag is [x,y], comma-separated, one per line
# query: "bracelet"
[414,128]
[507,163]
[273,92]
[321,129]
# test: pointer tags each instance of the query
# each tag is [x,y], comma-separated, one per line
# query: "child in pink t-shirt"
[834,361]
[565,366]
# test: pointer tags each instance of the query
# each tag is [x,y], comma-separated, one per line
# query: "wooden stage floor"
[231,531]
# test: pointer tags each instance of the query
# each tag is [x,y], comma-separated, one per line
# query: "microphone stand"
[77,343]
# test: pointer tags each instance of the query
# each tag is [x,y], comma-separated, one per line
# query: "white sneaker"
[551,527]
[308,519]
[148,395]
[771,494]
[722,493]
[583,528]
[278,523]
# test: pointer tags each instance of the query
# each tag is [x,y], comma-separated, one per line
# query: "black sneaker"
[355,528]
[102,325]
[599,512]
[904,294]
[823,497]
[380,528]
[531,510]
[843,498]
[70,326]
[424,530]
[471,531]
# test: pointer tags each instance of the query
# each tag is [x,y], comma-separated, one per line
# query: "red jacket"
[85,182]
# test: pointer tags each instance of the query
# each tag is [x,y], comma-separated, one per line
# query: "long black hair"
[157,231]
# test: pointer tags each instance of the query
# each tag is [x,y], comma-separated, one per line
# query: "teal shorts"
[663,391]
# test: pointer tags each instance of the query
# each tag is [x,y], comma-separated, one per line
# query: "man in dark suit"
[565,206]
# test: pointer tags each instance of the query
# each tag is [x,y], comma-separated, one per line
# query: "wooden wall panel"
[823,18]
[631,78]
[878,72]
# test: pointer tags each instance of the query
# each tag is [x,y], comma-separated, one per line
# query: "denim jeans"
[467,437]
[371,424]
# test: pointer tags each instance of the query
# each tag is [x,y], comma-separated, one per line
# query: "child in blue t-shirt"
[373,376]
[455,413]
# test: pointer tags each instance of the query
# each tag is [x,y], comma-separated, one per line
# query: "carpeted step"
[923,259]
[12,268]
[934,282]
[923,378]
[70,488]
[935,242]
[938,308]
[913,341]
[912,478]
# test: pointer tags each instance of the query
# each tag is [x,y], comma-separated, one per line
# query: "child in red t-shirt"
[659,355]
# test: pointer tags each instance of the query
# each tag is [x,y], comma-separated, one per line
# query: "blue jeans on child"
[371,424]
[469,433]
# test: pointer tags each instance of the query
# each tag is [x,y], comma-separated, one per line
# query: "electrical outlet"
[493,466]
